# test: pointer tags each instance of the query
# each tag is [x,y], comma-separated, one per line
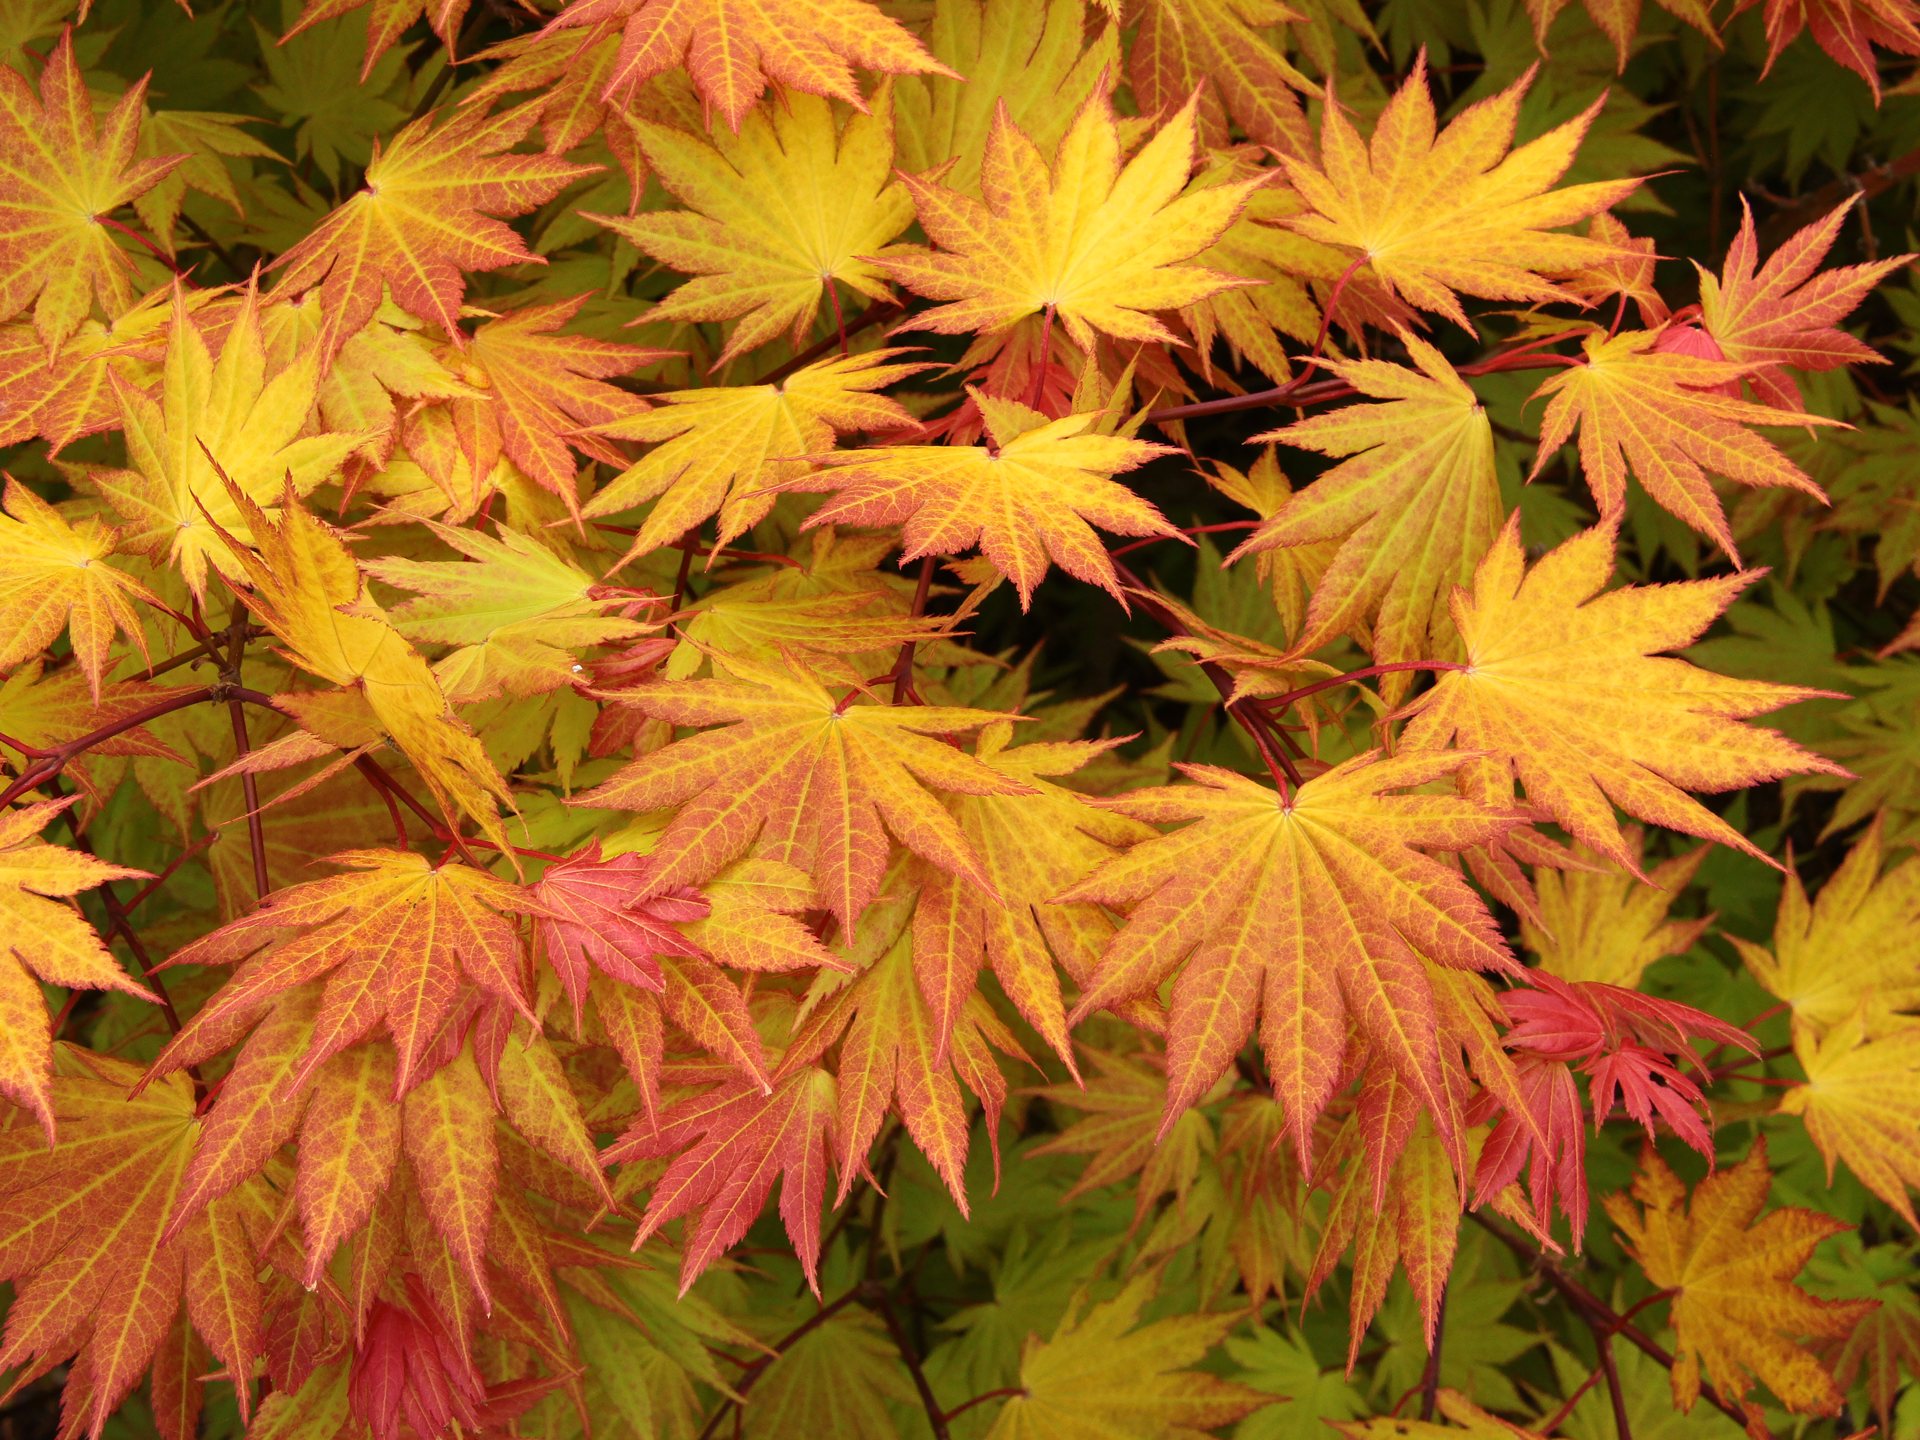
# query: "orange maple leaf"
[1434,216]
[733,48]
[1735,1305]
[1782,315]
[1025,497]
[61,174]
[427,211]
[1224,49]
[53,578]
[45,941]
[81,1239]
[1311,913]
[1846,29]
[727,1147]
[398,939]
[387,21]
[1563,685]
[1096,243]
[824,779]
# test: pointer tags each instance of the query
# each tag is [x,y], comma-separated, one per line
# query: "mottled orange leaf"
[1095,242]
[399,941]
[1784,315]
[1737,1314]
[1435,214]
[429,210]
[1030,495]
[61,173]
[1311,913]
[1662,414]
[819,780]
[54,577]
[732,49]
[45,941]
[1565,687]
[1226,50]
[727,1147]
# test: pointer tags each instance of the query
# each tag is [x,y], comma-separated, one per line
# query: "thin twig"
[1430,1378]
[936,1417]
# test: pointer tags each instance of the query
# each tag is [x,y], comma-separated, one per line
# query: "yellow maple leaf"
[1564,687]
[518,613]
[216,416]
[1861,1102]
[45,941]
[1098,244]
[1025,498]
[1277,909]
[1035,57]
[54,577]
[61,173]
[776,215]
[307,589]
[1857,943]
[1103,1373]
[1413,507]
[1736,1309]
[1656,413]
[1433,216]
[723,450]
[1599,923]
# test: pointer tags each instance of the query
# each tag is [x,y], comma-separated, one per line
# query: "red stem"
[1367,672]
[1221,528]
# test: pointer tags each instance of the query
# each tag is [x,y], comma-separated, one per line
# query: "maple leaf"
[1278,908]
[1603,924]
[1413,506]
[597,915]
[1619,20]
[1659,413]
[1222,49]
[62,173]
[309,593]
[517,612]
[429,209]
[725,451]
[397,939]
[216,417]
[727,1148]
[1861,1102]
[1736,1306]
[790,205]
[733,48]
[1117,1110]
[820,781]
[1103,1373]
[1783,316]
[1031,495]
[1035,57]
[53,578]
[1846,29]
[1563,685]
[46,941]
[65,395]
[1433,216]
[80,1238]
[898,1053]
[1035,844]
[1096,243]
[543,391]
[387,21]
[1412,1221]
[1856,942]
